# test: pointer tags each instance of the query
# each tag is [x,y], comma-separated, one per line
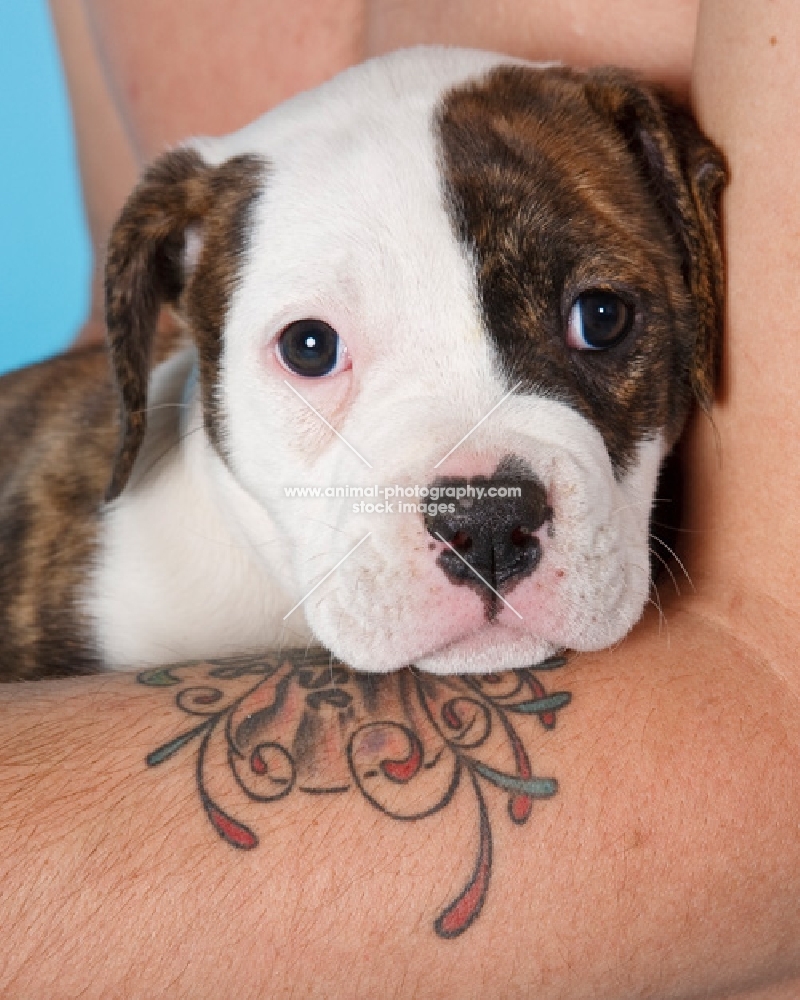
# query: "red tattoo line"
[408,765]
[464,910]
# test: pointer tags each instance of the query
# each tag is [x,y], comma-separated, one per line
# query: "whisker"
[160,458]
[675,557]
[683,531]
[333,527]
[662,618]
[160,406]
[666,566]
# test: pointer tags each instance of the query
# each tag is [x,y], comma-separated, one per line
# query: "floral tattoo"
[301,723]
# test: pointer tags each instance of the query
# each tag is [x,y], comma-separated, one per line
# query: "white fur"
[201,559]
[177,579]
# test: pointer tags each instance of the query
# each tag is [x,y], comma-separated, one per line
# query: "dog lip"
[488,632]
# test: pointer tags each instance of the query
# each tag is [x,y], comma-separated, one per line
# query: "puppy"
[442,320]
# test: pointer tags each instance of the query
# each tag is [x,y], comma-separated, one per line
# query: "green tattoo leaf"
[548,704]
[165,751]
[158,677]
[537,788]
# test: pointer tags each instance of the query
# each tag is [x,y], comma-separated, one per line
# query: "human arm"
[744,478]
[108,165]
[666,864]
[144,76]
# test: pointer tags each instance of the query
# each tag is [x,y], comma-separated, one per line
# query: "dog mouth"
[492,646]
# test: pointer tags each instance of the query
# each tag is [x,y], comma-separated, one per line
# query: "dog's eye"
[310,348]
[598,319]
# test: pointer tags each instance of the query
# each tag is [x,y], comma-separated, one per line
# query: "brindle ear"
[687,173]
[146,268]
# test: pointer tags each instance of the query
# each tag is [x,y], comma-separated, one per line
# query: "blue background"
[45,255]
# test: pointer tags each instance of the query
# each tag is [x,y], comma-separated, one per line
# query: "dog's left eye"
[311,348]
[598,319]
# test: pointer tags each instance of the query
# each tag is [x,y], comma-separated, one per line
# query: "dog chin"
[490,649]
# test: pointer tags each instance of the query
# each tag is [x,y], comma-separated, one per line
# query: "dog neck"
[185,566]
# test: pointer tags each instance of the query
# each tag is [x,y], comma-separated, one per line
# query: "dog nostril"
[461,540]
[521,537]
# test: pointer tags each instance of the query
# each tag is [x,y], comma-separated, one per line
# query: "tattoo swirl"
[405,741]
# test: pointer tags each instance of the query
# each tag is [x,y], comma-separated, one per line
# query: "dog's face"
[441,272]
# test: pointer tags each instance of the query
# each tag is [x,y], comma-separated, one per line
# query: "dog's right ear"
[178,241]
[145,270]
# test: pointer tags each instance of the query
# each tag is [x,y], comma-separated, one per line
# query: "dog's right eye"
[311,348]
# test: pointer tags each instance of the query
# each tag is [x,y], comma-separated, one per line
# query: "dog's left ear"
[176,242]
[687,173]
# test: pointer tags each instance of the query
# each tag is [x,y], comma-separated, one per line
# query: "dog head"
[465,304]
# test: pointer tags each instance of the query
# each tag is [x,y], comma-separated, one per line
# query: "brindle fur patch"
[63,428]
[559,182]
[58,434]
[145,270]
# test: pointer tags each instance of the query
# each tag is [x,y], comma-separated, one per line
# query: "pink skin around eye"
[329,394]
[575,329]
[344,364]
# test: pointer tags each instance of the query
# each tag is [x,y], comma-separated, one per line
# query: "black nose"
[492,535]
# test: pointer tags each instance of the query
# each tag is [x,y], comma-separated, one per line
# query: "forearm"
[744,506]
[137,85]
[652,37]
[123,879]
[666,863]
[108,163]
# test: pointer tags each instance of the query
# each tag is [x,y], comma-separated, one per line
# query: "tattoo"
[302,722]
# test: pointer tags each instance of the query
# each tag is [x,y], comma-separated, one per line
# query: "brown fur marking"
[59,429]
[61,423]
[559,182]
[144,270]
[57,438]
[633,204]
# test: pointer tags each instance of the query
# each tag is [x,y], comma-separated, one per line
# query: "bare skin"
[744,493]
[143,76]
[665,865]
[668,863]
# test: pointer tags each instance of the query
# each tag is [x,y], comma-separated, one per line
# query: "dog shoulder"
[57,439]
